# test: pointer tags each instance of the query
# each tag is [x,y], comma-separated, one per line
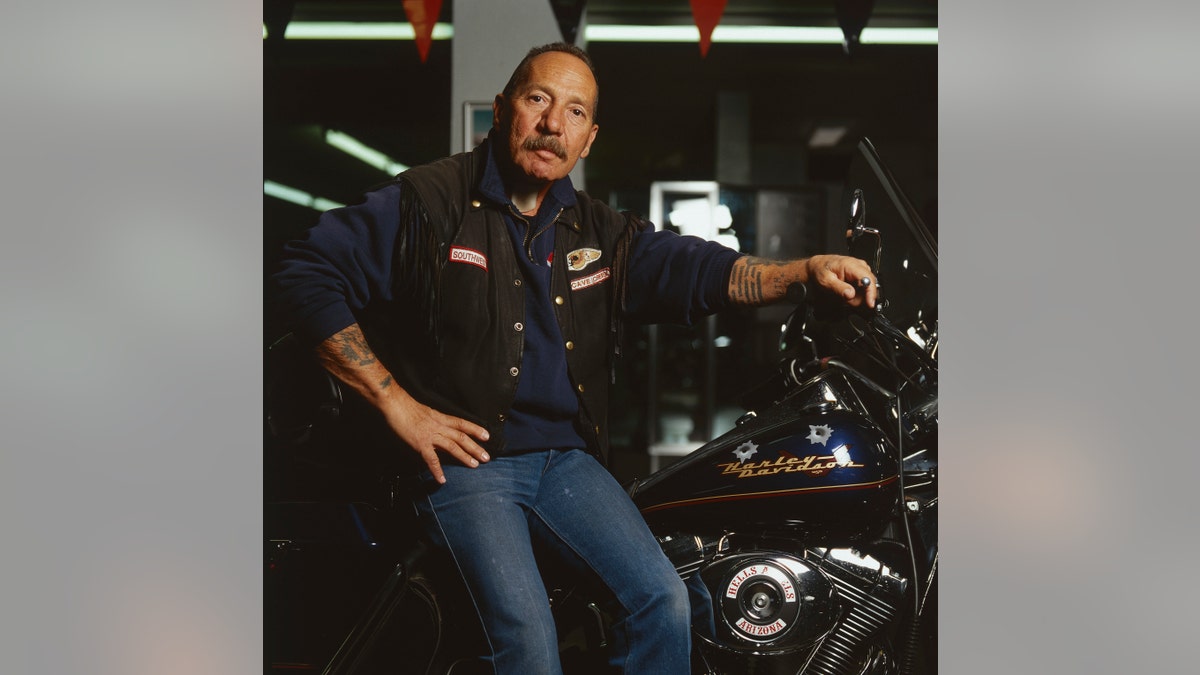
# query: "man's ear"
[497,110]
[591,139]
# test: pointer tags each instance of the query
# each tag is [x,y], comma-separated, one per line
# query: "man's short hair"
[521,74]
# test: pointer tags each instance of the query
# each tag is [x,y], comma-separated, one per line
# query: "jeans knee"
[667,602]
[525,648]
[675,600]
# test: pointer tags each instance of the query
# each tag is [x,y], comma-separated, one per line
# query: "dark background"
[659,116]
[658,110]
[132,476]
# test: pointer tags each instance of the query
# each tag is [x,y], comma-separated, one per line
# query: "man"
[493,294]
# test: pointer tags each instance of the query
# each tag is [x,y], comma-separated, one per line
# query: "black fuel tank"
[827,472]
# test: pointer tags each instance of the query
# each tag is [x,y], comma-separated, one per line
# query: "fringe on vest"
[634,223]
[417,259]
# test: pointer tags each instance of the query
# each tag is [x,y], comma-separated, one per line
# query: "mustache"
[550,143]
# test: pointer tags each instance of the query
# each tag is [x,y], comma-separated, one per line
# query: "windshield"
[904,254]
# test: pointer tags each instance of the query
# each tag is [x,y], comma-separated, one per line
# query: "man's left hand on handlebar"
[848,277]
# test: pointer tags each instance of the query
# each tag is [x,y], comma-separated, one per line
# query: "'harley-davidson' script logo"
[813,465]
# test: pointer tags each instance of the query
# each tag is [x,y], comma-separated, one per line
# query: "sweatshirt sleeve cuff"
[716,289]
[321,324]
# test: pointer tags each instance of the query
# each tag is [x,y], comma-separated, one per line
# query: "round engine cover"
[770,601]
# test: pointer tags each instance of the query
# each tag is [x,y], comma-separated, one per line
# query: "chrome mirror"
[864,242]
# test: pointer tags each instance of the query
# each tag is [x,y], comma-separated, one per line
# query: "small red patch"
[468,255]
[591,279]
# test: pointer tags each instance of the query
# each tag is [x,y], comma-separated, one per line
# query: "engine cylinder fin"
[869,608]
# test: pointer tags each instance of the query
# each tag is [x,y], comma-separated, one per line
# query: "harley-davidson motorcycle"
[807,534]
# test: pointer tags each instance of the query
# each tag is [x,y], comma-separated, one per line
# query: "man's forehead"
[557,68]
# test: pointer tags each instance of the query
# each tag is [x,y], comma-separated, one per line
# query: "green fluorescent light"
[355,148]
[899,36]
[758,34]
[605,33]
[345,30]
[802,34]
[291,194]
[322,204]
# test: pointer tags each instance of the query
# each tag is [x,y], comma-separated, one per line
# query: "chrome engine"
[760,609]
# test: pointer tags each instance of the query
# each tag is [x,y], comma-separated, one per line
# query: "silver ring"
[864,282]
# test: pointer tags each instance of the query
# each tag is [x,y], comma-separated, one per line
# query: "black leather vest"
[454,339]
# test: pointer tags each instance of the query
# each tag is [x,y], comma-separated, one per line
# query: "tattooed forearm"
[348,357]
[744,285]
[756,281]
[353,347]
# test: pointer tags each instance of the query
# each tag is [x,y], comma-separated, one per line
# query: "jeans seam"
[587,563]
[463,577]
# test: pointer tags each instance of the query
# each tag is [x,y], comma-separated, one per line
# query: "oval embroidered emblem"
[581,258]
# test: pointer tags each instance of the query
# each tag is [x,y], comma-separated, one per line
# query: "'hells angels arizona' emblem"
[581,258]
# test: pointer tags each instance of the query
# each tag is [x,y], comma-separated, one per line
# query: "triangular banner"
[276,16]
[568,13]
[852,16]
[707,14]
[422,14]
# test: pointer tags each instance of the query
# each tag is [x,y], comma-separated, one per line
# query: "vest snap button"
[500,417]
[570,345]
[513,371]
[558,300]
[518,327]
[516,282]
[580,388]
[475,203]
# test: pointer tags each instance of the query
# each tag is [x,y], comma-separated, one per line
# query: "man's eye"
[536,99]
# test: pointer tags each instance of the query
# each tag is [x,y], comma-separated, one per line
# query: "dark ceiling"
[659,112]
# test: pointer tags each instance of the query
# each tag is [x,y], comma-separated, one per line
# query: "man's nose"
[552,120]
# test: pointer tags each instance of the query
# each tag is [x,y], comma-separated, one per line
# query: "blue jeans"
[491,518]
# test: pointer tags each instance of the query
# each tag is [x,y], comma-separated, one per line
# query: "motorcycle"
[806,535]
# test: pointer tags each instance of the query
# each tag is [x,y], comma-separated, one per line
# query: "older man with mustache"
[493,294]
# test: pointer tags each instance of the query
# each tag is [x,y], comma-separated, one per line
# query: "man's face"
[548,120]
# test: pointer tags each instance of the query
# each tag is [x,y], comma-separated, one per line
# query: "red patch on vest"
[591,279]
[469,256]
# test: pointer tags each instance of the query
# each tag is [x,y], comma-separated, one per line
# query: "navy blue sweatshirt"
[545,407]
[344,262]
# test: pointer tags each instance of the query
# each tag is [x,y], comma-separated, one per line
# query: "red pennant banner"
[707,14]
[422,14]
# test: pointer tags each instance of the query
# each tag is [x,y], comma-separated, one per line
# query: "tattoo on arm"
[348,357]
[353,347]
[756,281]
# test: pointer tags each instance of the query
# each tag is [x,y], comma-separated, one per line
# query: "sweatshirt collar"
[491,185]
